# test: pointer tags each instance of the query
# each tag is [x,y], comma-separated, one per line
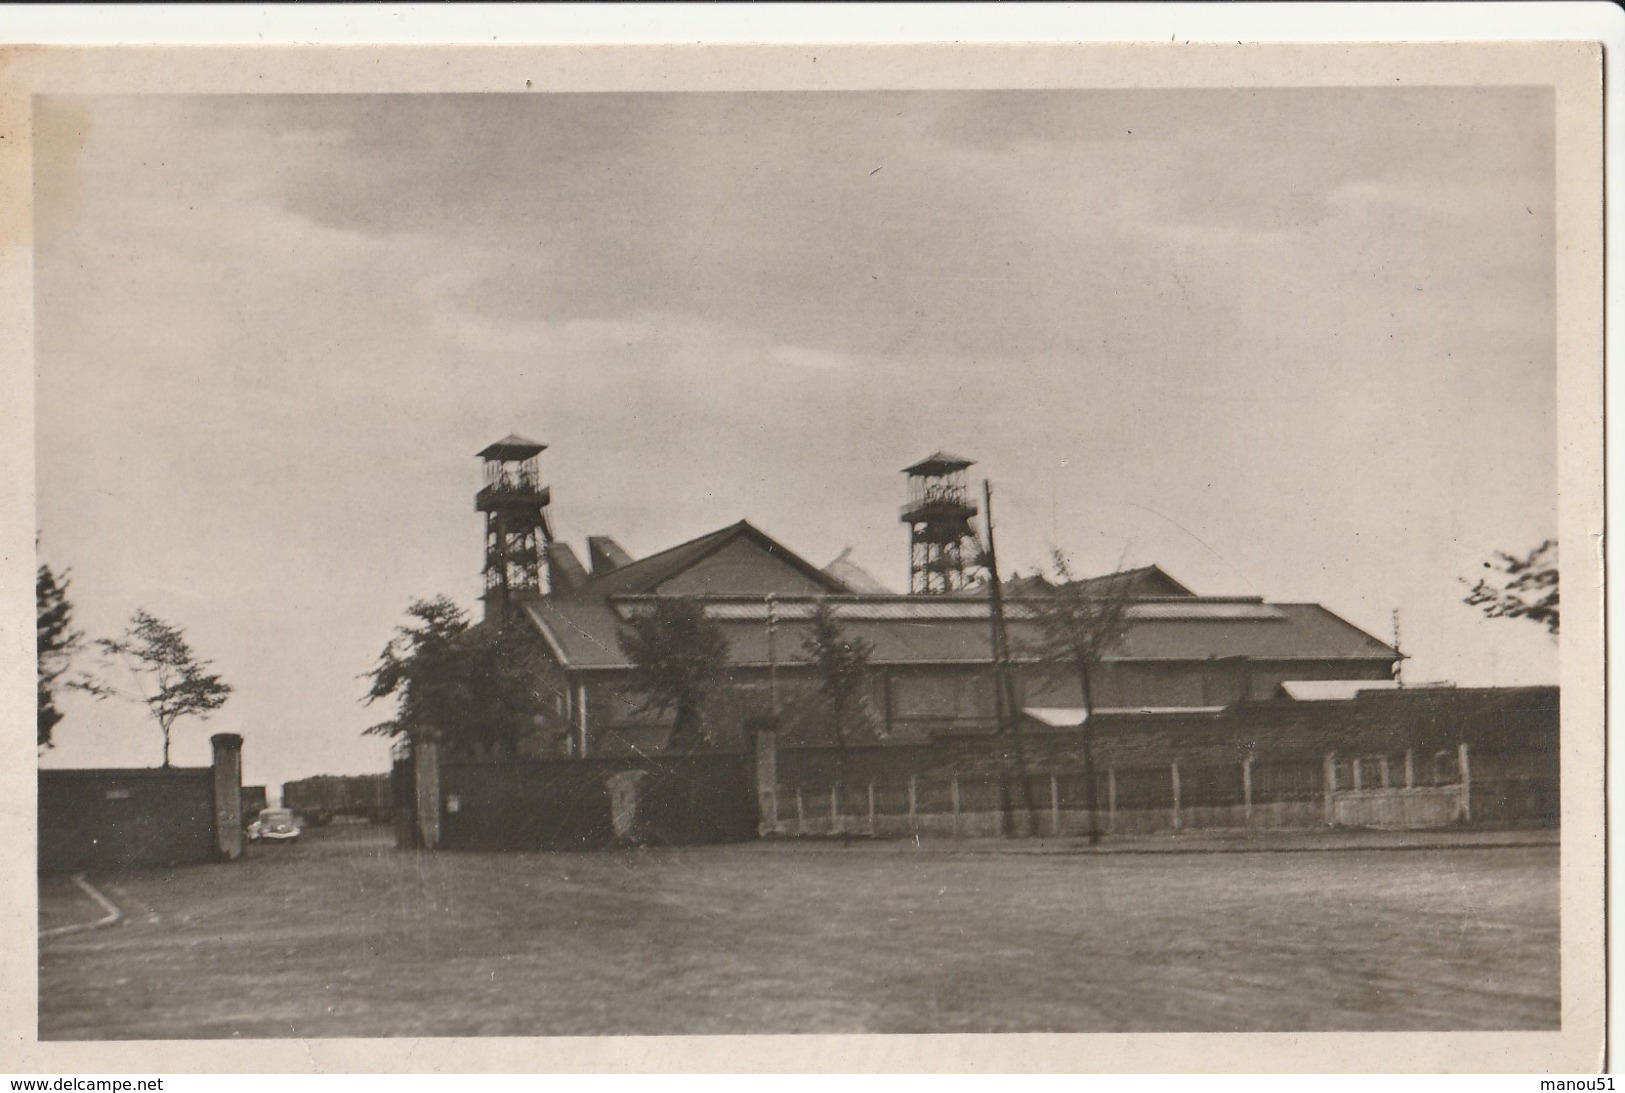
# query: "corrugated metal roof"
[1200,609]
[583,627]
[584,633]
[1306,631]
[934,608]
[943,633]
[844,610]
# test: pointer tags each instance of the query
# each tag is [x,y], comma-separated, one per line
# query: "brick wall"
[105,819]
[568,804]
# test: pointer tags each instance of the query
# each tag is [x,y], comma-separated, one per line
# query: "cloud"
[795,356]
[1315,329]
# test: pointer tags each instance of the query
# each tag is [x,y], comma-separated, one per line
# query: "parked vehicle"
[319,800]
[277,825]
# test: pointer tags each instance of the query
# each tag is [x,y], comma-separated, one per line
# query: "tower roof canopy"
[512,446]
[939,463]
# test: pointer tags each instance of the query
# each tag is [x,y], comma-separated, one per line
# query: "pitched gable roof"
[646,575]
[564,568]
[919,630]
[1146,581]
[606,554]
[581,633]
[1300,631]
[854,576]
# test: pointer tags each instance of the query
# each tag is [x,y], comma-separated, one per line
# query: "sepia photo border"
[1573,69]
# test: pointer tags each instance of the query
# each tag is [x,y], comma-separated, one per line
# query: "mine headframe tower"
[942,544]
[517,528]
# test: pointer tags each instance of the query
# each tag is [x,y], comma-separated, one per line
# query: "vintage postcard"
[759,557]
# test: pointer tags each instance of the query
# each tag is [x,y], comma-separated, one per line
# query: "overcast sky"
[1290,343]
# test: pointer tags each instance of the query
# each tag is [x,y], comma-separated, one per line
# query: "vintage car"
[274,825]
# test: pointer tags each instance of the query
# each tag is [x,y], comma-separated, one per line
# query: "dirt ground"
[342,935]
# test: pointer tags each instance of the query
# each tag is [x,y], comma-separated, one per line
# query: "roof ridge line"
[704,546]
[622,570]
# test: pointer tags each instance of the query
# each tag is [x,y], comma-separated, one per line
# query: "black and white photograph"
[771,549]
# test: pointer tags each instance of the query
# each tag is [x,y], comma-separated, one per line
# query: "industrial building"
[932,661]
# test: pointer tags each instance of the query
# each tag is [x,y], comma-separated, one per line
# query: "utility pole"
[1004,694]
[1399,657]
[772,656]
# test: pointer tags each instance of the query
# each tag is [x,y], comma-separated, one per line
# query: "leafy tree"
[841,662]
[678,658]
[475,688]
[842,665]
[56,643]
[1520,588]
[1078,623]
[171,681]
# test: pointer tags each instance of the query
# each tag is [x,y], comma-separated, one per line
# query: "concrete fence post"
[1410,769]
[1464,763]
[1331,787]
[228,794]
[871,808]
[1247,789]
[955,792]
[1178,820]
[581,710]
[913,803]
[835,823]
[1382,770]
[426,764]
[1111,800]
[1054,805]
[801,814]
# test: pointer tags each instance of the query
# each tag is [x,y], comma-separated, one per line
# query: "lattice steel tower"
[517,530]
[942,545]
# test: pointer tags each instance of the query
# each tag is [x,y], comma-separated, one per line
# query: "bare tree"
[1078,622]
[172,682]
[1520,588]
